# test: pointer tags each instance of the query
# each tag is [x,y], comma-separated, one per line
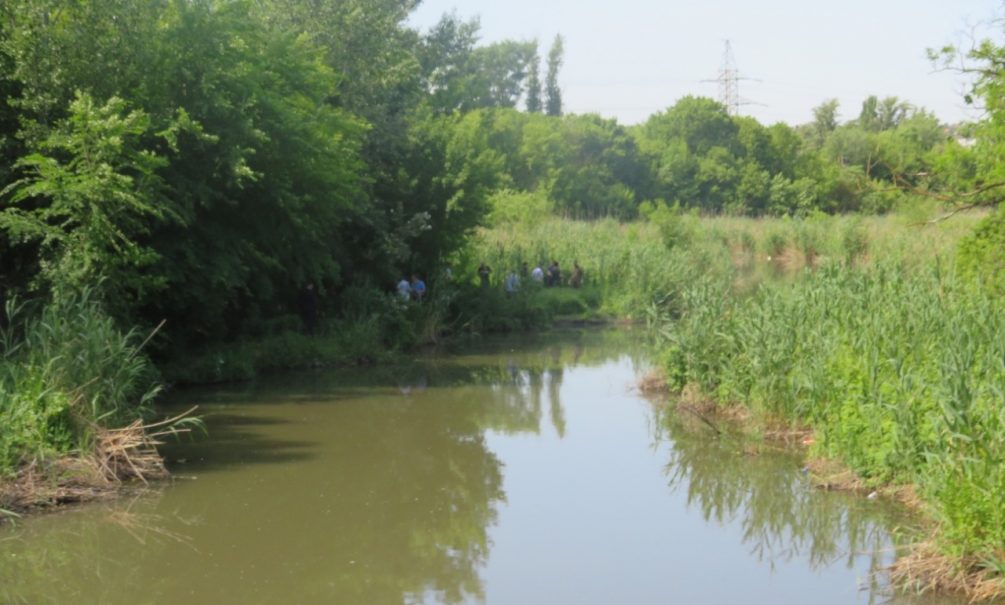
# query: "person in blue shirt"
[418,288]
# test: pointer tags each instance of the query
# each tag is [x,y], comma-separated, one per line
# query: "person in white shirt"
[512,283]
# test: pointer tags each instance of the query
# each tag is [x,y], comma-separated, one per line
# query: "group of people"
[411,290]
[549,278]
[415,289]
[552,276]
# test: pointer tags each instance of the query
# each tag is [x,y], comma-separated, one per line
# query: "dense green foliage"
[210,158]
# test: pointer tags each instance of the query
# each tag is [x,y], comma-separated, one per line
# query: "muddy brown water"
[515,470]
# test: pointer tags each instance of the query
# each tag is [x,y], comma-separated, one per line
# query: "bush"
[981,256]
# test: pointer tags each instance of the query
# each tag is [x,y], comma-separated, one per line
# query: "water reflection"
[763,489]
[332,487]
[392,511]
[385,486]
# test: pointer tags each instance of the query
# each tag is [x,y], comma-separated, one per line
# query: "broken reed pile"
[119,456]
[68,379]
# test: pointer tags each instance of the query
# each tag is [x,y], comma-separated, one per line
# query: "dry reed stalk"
[119,455]
[925,569]
[831,475]
[652,382]
[130,453]
[63,481]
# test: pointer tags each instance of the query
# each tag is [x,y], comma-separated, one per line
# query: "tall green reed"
[65,370]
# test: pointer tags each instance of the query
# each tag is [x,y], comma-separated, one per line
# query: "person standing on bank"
[554,275]
[418,288]
[483,273]
[309,308]
[576,279]
[404,289]
[537,274]
[512,283]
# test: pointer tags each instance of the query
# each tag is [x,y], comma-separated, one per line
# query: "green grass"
[63,372]
[897,363]
[633,265]
[901,371]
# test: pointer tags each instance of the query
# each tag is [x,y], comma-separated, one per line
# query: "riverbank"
[76,397]
[452,311]
[872,332]
[121,459]
[63,445]
[920,564]
[893,361]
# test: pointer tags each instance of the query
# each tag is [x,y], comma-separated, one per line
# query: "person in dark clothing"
[554,275]
[309,308]
[483,273]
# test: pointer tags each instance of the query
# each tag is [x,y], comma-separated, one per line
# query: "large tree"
[971,170]
[534,103]
[260,173]
[552,91]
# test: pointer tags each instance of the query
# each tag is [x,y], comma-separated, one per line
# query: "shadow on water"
[229,441]
[393,511]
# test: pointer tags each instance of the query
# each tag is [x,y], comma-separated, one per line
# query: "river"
[512,470]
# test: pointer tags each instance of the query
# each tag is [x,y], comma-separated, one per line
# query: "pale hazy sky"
[630,58]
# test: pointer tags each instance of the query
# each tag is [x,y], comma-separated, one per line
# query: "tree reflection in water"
[353,486]
[782,517]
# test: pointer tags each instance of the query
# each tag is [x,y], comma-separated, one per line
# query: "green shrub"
[981,256]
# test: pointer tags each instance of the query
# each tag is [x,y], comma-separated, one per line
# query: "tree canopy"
[204,159]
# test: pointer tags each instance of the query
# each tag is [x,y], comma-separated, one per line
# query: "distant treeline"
[200,161]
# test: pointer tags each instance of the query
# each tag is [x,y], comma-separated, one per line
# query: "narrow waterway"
[518,470]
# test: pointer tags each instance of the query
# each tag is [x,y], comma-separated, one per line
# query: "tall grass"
[898,364]
[636,264]
[64,371]
[902,373]
[626,263]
